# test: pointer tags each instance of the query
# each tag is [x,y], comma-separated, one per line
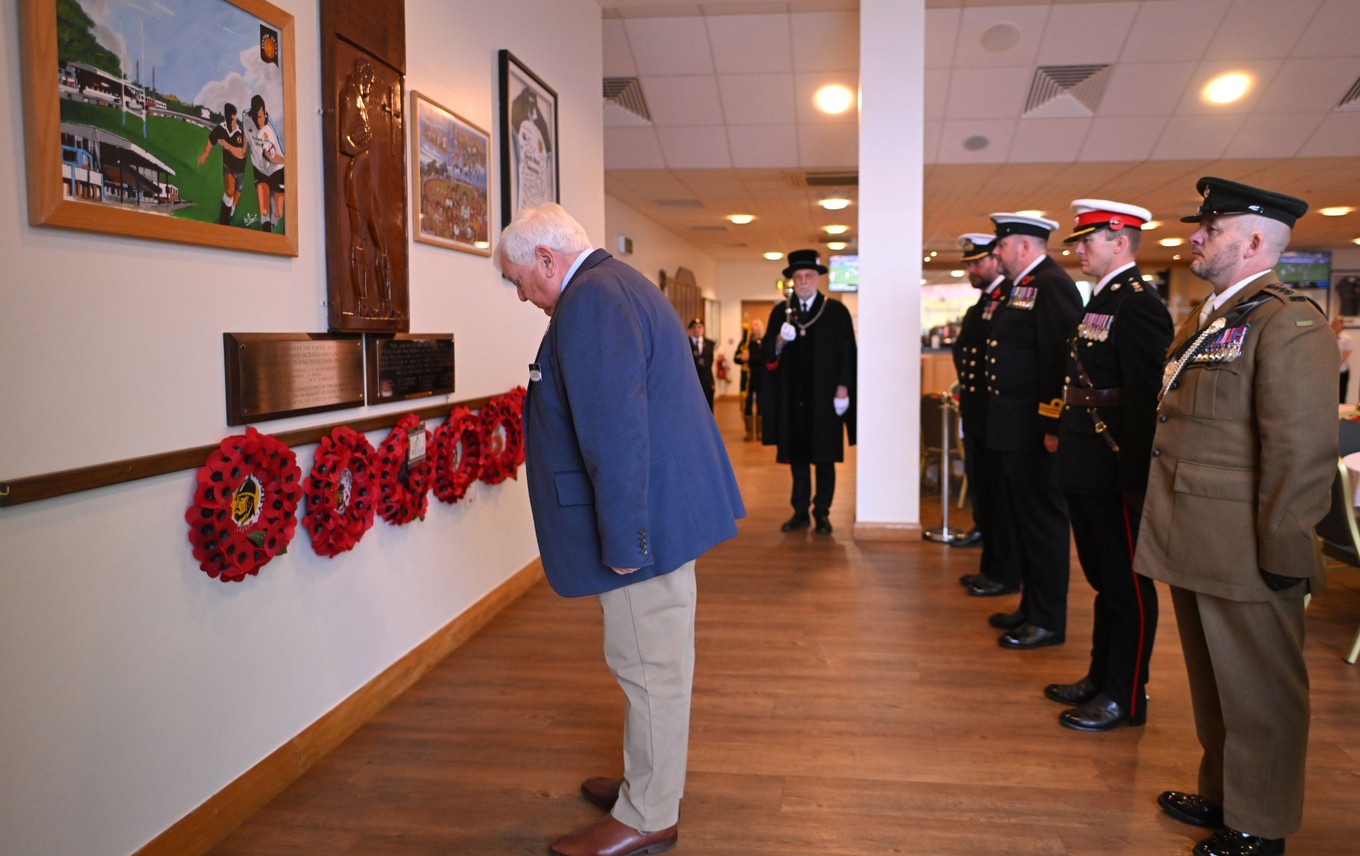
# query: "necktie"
[1206,310]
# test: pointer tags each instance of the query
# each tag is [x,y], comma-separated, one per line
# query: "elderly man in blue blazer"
[629,484]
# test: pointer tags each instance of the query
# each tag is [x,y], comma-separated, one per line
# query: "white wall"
[135,687]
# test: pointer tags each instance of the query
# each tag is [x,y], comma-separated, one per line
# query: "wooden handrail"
[48,485]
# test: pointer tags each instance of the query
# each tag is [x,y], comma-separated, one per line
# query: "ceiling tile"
[761,146]
[953,134]
[1335,137]
[690,99]
[751,44]
[1047,140]
[757,99]
[1253,29]
[670,45]
[618,53]
[1026,23]
[1308,85]
[1172,30]
[826,41]
[1120,138]
[632,148]
[1197,137]
[806,86]
[930,140]
[1272,135]
[987,93]
[695,147]
[1145,89]
[828,146]
[942,33]
[1334,31]
[936,92]
[1086,34]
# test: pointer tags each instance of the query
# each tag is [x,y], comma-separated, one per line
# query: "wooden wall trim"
[201,829]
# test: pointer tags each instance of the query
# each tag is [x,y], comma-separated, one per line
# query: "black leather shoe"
[1028,636]
[1006,620]
[1072,694]
[1192,809]
[796,522]
[972,579]
[1099,714]
[991,588]
[1230,842]
[823,525]
[973,538]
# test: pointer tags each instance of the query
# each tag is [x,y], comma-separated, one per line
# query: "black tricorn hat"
[1229,197]
[803,260]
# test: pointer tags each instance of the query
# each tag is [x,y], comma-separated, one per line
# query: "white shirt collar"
[571,271]
[1031,266]
[1109,276]
[1220,299]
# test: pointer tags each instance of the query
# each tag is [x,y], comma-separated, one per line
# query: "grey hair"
[547,225]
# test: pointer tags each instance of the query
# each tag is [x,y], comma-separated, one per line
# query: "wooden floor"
[848,699]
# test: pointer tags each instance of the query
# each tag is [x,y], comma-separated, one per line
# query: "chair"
[932,438]
[1338,534]
[1348,436]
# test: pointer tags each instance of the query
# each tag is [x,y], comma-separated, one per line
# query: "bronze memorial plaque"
[272,375]
[408,365]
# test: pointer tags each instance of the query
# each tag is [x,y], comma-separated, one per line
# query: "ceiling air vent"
[833,179]
[1351,100]
[1066,91]
[624,105]
[679,203]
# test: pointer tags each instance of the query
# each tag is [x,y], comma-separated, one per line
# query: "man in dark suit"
[1114,370]
[810,378]
[1025,358]
[992,525]
[1242,464]
[629,483]
[702,349]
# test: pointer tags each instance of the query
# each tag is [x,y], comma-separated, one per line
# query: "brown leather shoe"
[602,791]
[609,837]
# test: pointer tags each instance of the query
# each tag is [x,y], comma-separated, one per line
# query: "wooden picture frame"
[133,153]
[450,179]
[529,143]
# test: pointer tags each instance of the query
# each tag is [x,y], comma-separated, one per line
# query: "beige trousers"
[649,646]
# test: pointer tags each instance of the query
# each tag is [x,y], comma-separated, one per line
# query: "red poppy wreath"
[456,454]
[245,505]
[403,488]
[503,436]
[340,492]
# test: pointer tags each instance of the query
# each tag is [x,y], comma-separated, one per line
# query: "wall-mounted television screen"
[1305,268]
[844,274]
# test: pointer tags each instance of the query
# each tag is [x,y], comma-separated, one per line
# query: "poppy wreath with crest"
[403,491]
[340,492]
[503,436]
[456,454]
[244,511]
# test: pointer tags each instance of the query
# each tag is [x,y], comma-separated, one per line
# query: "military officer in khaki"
[1242,461]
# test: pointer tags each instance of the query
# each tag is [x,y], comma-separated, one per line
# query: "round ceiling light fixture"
[836,245]
[999,38]
[1171,242]
[836,229]
[1336,211]
[1227,88]
[834,203]
[834,99]
[976,143]
[741,219]
[774,257]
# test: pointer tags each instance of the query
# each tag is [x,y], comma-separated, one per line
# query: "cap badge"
[1115,224]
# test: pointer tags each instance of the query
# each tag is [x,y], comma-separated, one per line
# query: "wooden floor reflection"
[849,699]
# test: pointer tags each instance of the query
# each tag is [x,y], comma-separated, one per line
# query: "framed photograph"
[450,169]
[1345,296]
[173,120]
[528,129]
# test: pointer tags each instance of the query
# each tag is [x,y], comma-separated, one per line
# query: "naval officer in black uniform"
[999,570]
[1025,360]
[1114,372]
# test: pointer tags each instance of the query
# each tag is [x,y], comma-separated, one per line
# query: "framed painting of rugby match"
[172,121]
[451,167]
[528,128]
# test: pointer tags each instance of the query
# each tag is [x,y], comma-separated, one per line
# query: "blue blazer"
[624,461]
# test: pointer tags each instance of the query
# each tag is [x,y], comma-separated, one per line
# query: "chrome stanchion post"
[944,534]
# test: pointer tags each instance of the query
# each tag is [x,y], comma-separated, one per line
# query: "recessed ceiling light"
[1227,88]
[1152,224]
[1171,242]
[934,253]
[836,245]
[999,38]
[1067,252]
[836,229]
[1355,240]
[1177,256]
[1031,212]
[957,273]
[774,257]
[1336,211]
[976,143]
[835,203]
[741,219]
[834,98]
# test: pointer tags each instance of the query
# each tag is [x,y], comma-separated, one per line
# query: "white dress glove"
[842,405]
[788,332]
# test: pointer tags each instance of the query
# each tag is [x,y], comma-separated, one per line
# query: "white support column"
[891,179]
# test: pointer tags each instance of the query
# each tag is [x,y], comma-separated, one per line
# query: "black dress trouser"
[1039,511]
